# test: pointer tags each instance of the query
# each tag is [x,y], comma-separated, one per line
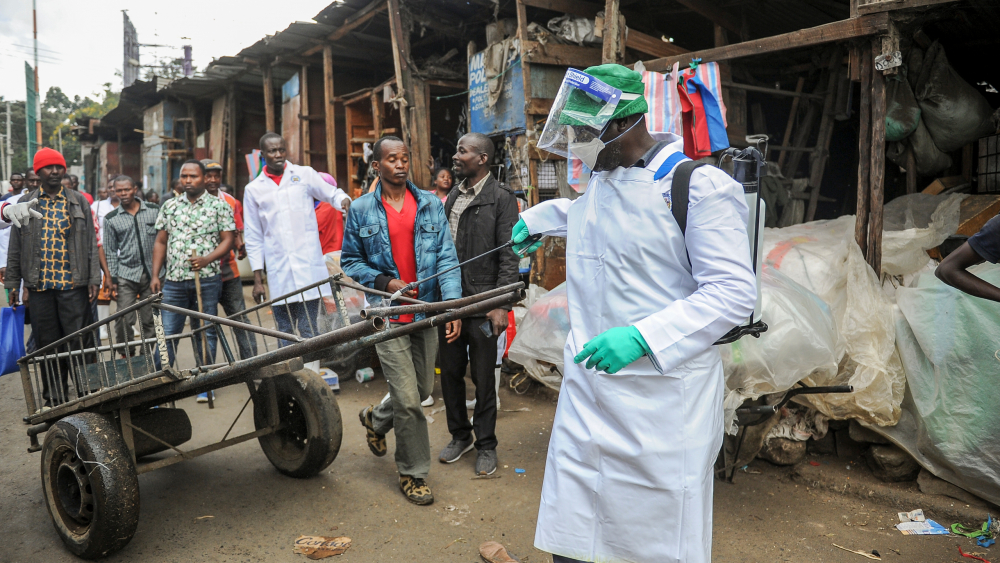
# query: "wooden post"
[231,143]
[377,109]
[269,122]
[414,117]
[329,111]
[787,139]
[878,170]
[968,161]
[305,158]
[819,155]
[911,171]
[864,148]
[612,51]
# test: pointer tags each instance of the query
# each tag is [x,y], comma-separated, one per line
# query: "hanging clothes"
[702,111]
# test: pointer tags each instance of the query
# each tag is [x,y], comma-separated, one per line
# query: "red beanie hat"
[47,157]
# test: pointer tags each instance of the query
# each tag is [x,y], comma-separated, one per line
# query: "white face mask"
[588,152]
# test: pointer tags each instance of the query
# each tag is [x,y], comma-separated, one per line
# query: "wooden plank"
[612,50]
[329,111]
[377,110]
[976,211]
[231,133]
[400,54]
[829,33]
[967,162]
[561,55]
[864,149]
[649,45]
[818,161]
[585,9]
[877,171]
[801,138]
[447,84]
[773,91]
[268,98]
[791,121]
[715,14]
[353,22]
[941,184]
[886,5]
[304,123]
[539,106]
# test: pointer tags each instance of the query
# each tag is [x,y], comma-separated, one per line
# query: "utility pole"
[3,161]
[59,132]
[38,95]
[10,149]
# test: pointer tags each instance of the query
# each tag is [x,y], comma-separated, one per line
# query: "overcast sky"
[80,42]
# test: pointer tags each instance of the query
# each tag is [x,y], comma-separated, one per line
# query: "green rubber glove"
[614,349]
[520,233]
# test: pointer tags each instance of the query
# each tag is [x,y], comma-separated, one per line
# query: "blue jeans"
[182,294]
[302,315]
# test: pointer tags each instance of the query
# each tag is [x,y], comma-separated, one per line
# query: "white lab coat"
[279,228]
[5,231]
[629,469]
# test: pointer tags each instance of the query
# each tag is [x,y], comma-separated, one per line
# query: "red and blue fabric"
[702,113]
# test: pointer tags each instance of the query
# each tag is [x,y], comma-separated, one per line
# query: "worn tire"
[90,485]
[310,439]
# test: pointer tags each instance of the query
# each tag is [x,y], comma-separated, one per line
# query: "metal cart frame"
[96,438]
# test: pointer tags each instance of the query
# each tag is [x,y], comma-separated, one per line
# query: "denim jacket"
[367,255]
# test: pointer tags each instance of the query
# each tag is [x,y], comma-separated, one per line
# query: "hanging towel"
[702,111]
[664,102]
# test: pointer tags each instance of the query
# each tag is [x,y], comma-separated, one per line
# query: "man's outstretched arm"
[954,271]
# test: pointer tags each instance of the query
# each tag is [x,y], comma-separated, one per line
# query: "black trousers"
[55,314]
[482,352]
[561,559]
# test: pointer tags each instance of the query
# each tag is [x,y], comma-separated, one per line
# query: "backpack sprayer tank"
[749,167]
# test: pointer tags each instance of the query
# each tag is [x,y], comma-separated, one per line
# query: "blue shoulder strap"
[668,165]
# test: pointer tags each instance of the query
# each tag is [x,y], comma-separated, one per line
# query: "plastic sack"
[913,224]
[902,112]
[947,342]
[11,338]
[929,158]
[823,257]
[541,337]
[801,340]
[954,112]
[574,29]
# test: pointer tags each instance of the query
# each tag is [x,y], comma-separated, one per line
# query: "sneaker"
[416,490]
[454,450]
[486,462]
[428,402]
[203,397]
[376,441]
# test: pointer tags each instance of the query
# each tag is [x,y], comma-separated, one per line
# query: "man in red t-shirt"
[231,299]
[394,235]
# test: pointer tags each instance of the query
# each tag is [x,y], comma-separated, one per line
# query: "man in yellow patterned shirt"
[56,256]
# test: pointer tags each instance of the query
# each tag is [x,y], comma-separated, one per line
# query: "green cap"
[614,75]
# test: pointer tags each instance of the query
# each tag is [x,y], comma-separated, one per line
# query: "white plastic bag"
[913,224]
[823,257]
[801,340]
[541,337]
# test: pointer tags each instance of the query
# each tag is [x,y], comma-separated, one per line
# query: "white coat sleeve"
[720,264]
[318,189]
[253,233]
[4,244]
[548,217]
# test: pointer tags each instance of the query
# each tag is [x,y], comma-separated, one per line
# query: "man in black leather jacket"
[481,213]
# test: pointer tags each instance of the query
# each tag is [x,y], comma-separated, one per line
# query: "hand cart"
[105,407]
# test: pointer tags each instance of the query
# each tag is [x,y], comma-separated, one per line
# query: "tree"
[19,160]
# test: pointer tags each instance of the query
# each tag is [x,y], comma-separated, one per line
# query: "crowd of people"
[614,487]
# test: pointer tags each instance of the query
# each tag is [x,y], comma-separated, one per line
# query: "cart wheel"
[311,432]
[90,485]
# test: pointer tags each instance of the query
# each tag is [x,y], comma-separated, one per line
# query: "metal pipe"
[371,291]
[440,305]
[357,330]
[283,297]
[228,322]
[107,321]
[471,310]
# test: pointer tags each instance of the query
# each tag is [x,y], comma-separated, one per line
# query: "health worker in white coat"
[639,421]
[281,234]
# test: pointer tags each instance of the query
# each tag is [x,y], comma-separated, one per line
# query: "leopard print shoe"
[416,490]
[376,441]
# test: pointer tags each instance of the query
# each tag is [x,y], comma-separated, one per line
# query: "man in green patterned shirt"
[195,231]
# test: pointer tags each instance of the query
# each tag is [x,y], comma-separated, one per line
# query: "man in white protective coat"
[281,233]
[639,422]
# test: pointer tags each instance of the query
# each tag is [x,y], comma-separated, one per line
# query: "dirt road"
[233,506]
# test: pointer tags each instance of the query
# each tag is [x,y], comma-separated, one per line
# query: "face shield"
[582,109]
